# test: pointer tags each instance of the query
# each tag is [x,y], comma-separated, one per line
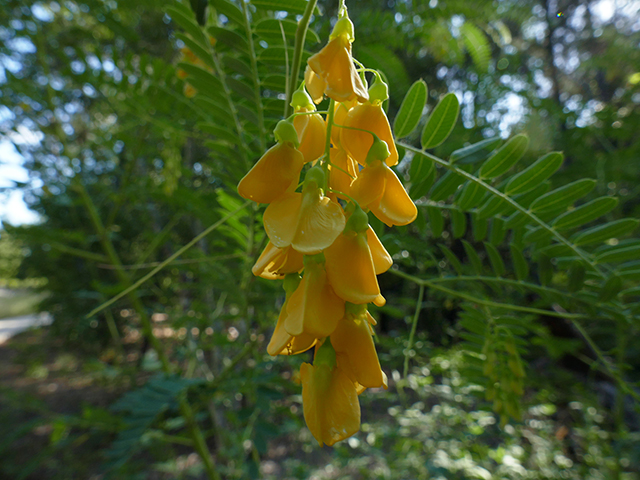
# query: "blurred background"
[106,170]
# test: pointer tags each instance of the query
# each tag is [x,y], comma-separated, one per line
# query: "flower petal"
[312,132]
[395,206]
[315,85]
[353,337]
[372,118]
[314,308]
[320,222]
[275,262]
[273,174]
[350,268]
[382,261]
[334,64]
[281,219]
[342,172]
[330,403]
[368,188]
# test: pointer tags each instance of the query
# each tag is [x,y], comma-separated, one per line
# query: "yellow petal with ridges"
[275,262]
[320,222]
[315,85]
[342,172]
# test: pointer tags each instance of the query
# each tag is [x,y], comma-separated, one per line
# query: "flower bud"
[285,132]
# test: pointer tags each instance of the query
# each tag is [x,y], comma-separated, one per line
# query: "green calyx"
[310,260]
[325,355]
[355,309]
[358,221]
[343,26]
[285,132]
[379,91]
[314,175]
[291,282]
[301,100]
[379,150]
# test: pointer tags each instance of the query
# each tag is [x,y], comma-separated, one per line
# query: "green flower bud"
[325,355]
[301,99]
[314,175]
[343,26]
[291,282]
[379,91]
[358,221]
[285,132]
[379,150]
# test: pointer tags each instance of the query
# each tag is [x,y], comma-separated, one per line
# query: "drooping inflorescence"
[320,241]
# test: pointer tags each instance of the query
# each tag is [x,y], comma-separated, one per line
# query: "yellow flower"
[349,263]
[275,262]
[282,343]
[382,261]
[312,132]
[378,189]
[340,113]
[314,308]
[315,85]
[355,350]
[343,170]
[334,64]
[329,398]
[372,118]
[277,171]
[307,221]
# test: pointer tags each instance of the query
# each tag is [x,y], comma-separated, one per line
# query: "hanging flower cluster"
[320,241]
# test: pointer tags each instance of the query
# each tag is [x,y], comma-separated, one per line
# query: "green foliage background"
[499,270]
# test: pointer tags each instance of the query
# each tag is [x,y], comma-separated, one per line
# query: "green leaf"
[229,38]
[202,53]
[610,289]
[269,29]
[496,260]
[562,197]
[275,82]
[476,152]
[491,207]
[479,227]
[446,186]
[497,232]
[189,25]
[505,158]
[441,122]
[535,174]
[458,223]
[241,88]
[477,45]
[473,256]
[201,74]
[470,196]
[577,273]
[422,174]
[218,131]
[453,260]
[604,232]
[229,10]
[436,221]
[292,6]
[545,269]
[585,213]
[537,234]
[411,109]
[520,263]
[620,254]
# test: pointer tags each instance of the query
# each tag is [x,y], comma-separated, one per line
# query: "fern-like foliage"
[520,234]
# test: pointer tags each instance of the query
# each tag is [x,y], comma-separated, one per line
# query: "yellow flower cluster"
[320,241]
